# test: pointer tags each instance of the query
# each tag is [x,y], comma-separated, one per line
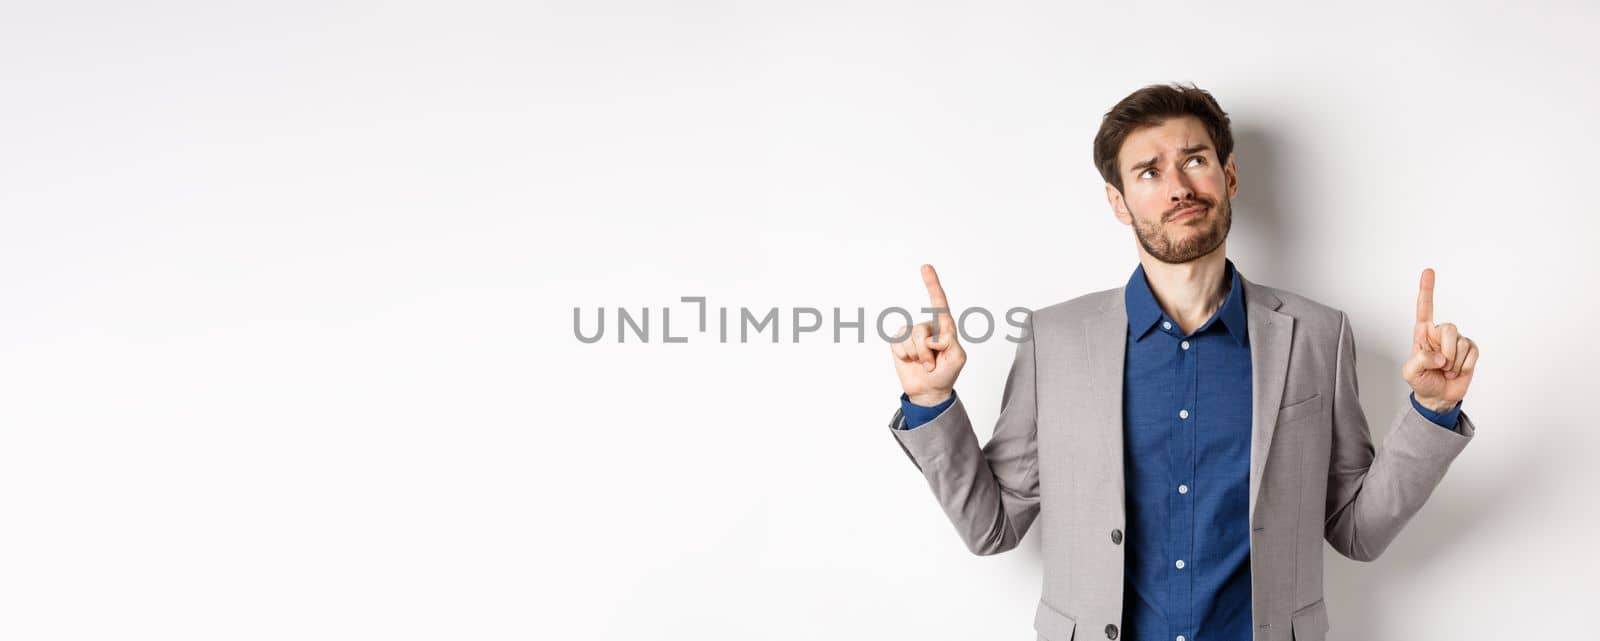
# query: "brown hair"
[1150,106]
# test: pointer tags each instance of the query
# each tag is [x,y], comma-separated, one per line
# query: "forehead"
[1165,139]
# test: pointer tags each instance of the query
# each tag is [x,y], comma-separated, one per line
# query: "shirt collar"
[1144,312]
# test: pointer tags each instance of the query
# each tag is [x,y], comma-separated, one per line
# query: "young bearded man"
[1188,440]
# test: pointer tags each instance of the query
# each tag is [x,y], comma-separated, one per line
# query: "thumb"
[944,339]
[1422,361]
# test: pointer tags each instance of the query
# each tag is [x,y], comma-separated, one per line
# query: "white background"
[286,344]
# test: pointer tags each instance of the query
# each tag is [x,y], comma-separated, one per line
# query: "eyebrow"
[1142,165]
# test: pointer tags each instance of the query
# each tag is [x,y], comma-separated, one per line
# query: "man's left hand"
[1442,360]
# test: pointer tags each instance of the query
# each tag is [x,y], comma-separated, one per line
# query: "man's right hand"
[928,362]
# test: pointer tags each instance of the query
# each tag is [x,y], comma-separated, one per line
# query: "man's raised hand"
[1442,360]
[928,361]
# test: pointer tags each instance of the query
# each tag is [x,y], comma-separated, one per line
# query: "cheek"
[1147,202]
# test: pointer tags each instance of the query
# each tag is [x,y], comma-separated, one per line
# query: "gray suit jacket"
[1056,453]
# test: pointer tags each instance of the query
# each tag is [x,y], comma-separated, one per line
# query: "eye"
[1147,172]
[1196,159]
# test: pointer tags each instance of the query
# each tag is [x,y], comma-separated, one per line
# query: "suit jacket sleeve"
[1372,496]
[990,494]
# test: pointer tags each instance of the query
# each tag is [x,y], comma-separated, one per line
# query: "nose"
[1180,189]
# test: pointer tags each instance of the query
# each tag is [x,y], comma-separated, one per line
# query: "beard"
[1216,222]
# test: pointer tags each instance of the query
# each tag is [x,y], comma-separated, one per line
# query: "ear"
[1118,206]
[1232,173]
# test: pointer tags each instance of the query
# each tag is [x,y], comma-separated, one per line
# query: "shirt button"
[1185,344]
[1180,637]
[1180,564]
[1183,413]
[1166,325]
[1183,489]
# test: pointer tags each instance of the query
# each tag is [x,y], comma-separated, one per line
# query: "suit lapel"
[1271,332]
[1106,332]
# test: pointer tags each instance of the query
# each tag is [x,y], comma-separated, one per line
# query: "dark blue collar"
[1144,312]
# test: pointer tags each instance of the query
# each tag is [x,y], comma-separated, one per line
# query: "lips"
[1186,214]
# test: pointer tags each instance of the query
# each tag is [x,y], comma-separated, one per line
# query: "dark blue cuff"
[918,414]
[1446,420]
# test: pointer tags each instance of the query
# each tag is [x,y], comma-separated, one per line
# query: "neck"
[1189,292]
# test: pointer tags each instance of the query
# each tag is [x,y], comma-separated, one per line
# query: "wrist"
[930,399]
[1438,405]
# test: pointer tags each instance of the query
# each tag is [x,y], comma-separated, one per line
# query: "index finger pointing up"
[1425,298]
[936,295]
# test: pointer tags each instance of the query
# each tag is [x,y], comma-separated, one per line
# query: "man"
[1190,438]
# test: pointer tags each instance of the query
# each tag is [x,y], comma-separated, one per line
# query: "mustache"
[1198,201]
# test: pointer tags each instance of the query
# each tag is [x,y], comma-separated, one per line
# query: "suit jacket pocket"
[1310,623]
[1300,408]
[1052,624]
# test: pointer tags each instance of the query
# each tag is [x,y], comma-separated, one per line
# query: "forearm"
[990,494]
[1369,505]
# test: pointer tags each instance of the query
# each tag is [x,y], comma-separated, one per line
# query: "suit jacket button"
[1111,631]
[1116,537]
